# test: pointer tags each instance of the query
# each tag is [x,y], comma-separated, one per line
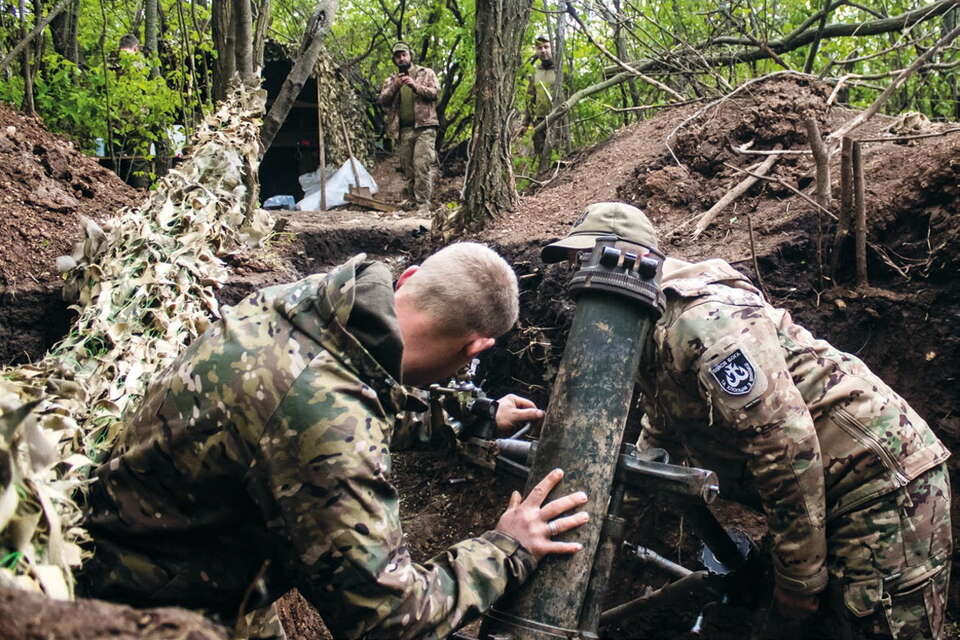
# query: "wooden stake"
[846,206]
[321,145]
[860,207]
[822,158]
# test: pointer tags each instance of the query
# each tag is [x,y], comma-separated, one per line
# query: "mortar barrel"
[582,434]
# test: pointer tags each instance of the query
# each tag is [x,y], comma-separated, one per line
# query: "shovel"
[353,189]
[355,193]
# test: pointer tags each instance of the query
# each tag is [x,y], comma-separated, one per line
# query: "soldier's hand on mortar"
[407,80]
[793,605]
[513,411]
[534,526]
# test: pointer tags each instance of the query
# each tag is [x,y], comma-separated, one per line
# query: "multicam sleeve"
[744,377]
[328,458]
[388,90]
[427,86]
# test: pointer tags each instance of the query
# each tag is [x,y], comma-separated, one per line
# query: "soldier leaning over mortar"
[852,481]
[269,439]
[410,98]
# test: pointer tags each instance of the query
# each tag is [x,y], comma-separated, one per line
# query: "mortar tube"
[582,434]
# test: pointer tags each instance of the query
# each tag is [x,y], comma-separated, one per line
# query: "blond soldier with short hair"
[265,449]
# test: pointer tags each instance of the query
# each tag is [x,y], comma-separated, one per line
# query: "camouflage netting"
[145,288]
[338,100]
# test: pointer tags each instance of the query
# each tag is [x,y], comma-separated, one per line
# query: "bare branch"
[732,195]
[863,116]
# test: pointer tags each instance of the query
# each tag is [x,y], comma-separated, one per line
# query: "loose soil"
[676,166]
[46,184]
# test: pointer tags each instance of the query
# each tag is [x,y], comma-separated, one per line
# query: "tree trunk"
[224,39]
[63,28]
[37,30]
[150,27]
[310,49]
[260,33]
[489,188]
[25,65]
[243,23]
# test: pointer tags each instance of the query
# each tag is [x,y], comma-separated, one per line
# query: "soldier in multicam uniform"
[851,479]
[264,450]
[410,99]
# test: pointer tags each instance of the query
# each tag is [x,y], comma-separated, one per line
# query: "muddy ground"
[905,325]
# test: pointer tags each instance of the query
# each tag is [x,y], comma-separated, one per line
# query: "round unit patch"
[735,374]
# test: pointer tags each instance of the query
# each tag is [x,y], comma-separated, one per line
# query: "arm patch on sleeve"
[735,374]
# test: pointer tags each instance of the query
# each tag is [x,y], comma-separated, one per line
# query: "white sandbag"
[336,186]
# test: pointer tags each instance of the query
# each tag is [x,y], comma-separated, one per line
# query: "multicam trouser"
[889,567]
[417,150]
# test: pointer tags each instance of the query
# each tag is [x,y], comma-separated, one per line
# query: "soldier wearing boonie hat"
[808,431]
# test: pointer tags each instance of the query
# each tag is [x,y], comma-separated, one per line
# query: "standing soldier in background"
[851,479]
[540,94]
[410,99]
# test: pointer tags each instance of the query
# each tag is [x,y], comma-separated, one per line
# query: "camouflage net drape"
[144,286]
[337,100]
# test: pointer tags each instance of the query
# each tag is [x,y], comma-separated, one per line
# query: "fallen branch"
[732,195]
[742,149]
[916,137]
[649,107]
[865,115]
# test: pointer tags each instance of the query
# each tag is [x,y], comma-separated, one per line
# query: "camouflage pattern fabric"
[425,90]
[789,423]
[540,103]
[417,151]
[269,439]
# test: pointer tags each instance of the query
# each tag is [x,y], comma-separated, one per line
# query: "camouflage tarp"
[144,286]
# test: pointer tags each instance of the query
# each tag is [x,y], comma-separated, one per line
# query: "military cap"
[401,46]
[541,38]
[599,219]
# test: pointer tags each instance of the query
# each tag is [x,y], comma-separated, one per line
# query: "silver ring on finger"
[552,528]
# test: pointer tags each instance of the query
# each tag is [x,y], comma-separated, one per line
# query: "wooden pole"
[822,158]
[846,206]
[321,145]
[861,216]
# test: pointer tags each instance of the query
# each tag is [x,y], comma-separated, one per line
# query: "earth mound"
[46,183]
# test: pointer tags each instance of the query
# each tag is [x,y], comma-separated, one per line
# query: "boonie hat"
[628,223]
[401,46]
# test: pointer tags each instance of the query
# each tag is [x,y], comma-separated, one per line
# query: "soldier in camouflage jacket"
[851,479]
[265,449]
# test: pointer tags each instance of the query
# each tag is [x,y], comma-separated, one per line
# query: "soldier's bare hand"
[407,80]
[534,524]
[513,411]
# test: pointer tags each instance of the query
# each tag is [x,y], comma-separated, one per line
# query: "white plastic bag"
[336,185]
